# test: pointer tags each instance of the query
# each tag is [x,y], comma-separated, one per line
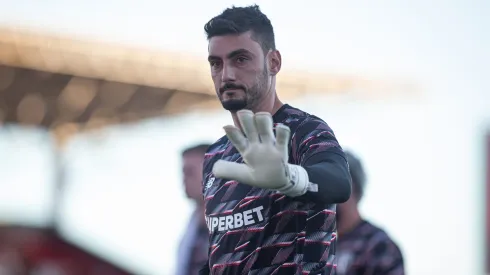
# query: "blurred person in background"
[269,197]
[363,248]
[193,249]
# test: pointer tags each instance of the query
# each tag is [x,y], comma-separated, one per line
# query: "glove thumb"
[233,171]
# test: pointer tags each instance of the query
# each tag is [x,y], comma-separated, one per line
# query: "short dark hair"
[199,148]
[357,173]
[238,20]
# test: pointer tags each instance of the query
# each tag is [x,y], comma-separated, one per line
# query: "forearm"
[329,178]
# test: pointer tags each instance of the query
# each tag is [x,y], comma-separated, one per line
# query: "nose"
[228,74]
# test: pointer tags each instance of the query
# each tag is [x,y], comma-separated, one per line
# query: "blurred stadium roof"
[69,84]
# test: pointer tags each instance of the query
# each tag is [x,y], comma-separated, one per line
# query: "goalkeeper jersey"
[262,232]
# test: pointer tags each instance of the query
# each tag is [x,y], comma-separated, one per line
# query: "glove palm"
[265,156]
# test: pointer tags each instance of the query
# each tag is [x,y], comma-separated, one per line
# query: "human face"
[192,174]
[239,71]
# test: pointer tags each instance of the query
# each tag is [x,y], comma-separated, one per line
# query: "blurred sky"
[128,180]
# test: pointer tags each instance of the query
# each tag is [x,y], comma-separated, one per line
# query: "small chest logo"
[209,183]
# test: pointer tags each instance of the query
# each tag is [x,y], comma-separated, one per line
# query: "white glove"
[265,156]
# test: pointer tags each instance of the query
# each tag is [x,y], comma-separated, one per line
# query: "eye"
[241,59]
[214,64]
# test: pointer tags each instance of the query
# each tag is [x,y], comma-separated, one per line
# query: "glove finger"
[236,138]
[246,118]
[264,124]
[282,139]
[233,171]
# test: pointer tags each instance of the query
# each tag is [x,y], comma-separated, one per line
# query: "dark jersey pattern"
[262,232]
[368,250]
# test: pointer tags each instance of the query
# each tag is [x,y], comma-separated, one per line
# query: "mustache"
[231,86]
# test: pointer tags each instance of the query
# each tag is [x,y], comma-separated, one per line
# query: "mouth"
[232,91]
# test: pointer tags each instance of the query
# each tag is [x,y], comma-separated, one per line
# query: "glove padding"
[265,156]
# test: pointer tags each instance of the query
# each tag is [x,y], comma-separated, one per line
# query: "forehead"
[221,46]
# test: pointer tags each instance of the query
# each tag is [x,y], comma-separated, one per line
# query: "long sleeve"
[315,148]
[329,179]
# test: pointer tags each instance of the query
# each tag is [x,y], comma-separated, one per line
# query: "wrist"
[297,183]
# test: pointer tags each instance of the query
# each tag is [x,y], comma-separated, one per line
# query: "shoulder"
[380,242]
[303,125]
[310,135]
[217,147]
[296,117]
[311,125]
[215,152]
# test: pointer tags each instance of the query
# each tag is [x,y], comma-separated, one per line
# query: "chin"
[234,104]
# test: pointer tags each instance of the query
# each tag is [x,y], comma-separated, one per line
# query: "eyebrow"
[231,55]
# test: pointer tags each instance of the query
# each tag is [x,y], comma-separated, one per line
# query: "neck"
[349,221]
[269,106]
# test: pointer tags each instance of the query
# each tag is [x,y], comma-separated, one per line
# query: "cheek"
[215,74]
[217,81]
[249,79]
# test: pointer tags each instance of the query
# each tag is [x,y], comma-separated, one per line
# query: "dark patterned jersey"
[368,250]
[262,232]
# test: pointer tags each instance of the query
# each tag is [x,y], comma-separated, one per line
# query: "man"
[269,199]
[363,249]
[193,249]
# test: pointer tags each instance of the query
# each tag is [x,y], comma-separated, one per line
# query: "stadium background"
[403,84]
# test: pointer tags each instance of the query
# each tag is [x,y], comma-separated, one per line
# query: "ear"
[275,62]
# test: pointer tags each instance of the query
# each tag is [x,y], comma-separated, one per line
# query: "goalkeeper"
[269,197]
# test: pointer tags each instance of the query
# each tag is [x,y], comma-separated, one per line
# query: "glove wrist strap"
[298,181]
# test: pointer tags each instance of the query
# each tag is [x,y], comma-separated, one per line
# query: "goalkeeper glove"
[265,156]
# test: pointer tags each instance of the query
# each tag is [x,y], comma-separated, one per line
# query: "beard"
[234,105]
[251,95]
